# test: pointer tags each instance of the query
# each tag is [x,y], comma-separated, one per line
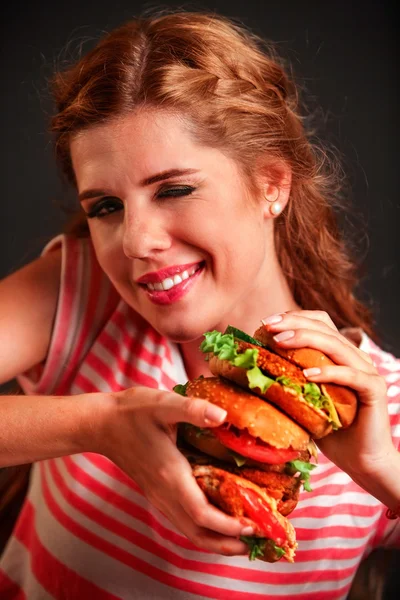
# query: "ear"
[276,181]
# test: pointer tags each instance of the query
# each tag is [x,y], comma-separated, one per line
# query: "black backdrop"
[344,52]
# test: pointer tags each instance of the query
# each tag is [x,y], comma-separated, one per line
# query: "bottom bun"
[345,402]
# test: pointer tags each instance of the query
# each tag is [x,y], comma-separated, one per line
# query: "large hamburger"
[252,465]
[275,374]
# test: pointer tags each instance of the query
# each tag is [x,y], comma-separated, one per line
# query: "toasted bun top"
[247,411]
[344,399]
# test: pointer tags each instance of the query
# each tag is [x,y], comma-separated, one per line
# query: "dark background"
[345,54]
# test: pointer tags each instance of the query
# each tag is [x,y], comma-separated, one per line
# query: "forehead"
[137,133]
[142,144]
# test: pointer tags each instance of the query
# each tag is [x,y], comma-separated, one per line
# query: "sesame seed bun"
[246,411]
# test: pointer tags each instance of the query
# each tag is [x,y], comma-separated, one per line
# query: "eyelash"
[112,205]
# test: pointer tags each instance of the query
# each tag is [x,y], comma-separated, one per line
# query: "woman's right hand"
[138,433]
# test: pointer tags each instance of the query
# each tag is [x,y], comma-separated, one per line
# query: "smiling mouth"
[171,282]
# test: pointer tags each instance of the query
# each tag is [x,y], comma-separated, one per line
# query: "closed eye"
[110,205]
[185,190]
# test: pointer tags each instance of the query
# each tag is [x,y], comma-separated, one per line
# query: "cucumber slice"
[241,335]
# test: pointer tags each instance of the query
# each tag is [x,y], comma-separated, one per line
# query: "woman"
[204,204]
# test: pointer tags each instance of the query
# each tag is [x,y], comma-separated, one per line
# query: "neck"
[273,296]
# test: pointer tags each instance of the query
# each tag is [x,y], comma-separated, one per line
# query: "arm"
[122,426]
[35,428]
[384,481]
[28,301]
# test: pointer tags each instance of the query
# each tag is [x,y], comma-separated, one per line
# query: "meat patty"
[273,364]
[284,488]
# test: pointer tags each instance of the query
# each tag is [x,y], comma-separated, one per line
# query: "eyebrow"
[163,176]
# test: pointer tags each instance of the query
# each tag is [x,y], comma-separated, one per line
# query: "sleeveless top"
[87,531]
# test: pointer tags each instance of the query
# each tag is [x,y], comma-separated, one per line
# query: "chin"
[179,334]
[180,330]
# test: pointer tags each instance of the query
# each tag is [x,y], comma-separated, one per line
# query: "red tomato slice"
[255,510]
[242,442]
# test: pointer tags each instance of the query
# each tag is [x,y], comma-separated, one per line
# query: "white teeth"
[170,282]
[177,279]
[167,284]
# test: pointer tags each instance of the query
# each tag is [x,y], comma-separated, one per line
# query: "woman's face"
[172,224]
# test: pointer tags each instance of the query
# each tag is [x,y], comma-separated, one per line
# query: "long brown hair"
[240,99]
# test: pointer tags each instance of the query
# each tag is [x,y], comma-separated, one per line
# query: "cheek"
[212,227]
[108,251]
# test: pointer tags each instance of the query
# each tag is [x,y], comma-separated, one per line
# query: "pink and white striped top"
[87,531]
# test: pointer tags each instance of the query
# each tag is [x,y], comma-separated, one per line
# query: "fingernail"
[272,320]
[312,371]
[247,531]
[214,414]
[283,336]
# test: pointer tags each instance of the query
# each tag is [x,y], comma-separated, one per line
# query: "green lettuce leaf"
[224,346]
[257,379]
[287,382]
[257,546]
[247,359]
[312,394]
[180,389]
[238,458]
[304,468]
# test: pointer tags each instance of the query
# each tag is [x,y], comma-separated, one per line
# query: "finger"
[204,538]
[174,408]
[314,315]
[306,320]
[201,537]
[331,345]
[370,387]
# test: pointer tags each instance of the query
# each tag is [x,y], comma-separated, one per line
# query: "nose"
[144,236]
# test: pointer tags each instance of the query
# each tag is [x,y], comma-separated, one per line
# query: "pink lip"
[159,276]
[176,293]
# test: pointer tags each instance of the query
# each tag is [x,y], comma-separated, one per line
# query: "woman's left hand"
[366,447]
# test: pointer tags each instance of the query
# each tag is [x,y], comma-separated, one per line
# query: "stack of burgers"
[255,464]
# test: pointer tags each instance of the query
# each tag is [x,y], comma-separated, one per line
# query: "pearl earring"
[276,208]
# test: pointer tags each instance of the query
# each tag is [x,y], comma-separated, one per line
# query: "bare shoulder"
[28,302]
